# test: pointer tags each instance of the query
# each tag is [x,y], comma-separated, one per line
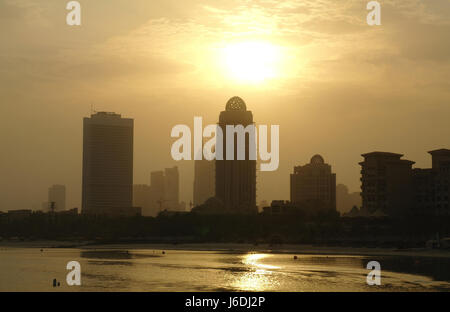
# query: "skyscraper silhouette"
[431,186]
[107,164]
[314,185]
[386,183]
[165,190]
[236,179]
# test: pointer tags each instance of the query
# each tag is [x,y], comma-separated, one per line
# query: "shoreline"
[235,247]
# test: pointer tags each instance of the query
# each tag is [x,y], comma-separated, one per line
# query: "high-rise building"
[440,160]
[391,186]
[107,164]
[165,190]
[441,166]
[431,187]
[236,179]
[57,197]
[386,183]
[313,185]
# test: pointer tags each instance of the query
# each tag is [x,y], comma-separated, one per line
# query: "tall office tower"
[236,179]
[386,183]
[313,185]
[57,195]
[107,164]
[171,188]
[204,180]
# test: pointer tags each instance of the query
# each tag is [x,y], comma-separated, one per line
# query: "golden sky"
[335,85]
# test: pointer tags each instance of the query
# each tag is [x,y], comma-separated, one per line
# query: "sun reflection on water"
[252,260]
[259,276]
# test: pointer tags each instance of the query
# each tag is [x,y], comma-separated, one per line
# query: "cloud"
[155,58]
[426,42]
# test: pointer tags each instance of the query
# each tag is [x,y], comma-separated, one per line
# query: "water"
[29,269]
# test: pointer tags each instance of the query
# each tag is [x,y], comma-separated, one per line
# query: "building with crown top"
[236,179]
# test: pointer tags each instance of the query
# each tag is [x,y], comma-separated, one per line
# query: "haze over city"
[336,86]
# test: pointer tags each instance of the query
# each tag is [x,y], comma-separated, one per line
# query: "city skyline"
[230,148]
[335,85]
[46,204]
[300,191]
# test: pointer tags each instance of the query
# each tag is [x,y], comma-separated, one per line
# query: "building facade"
[107,164]
[386,183]
[235,180]
[431,186]
[165,191]
[313,186]
[441,167]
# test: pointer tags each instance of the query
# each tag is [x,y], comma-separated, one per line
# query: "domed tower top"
[317,160]
[235,104]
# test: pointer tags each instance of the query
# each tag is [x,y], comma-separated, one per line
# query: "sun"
[251,61]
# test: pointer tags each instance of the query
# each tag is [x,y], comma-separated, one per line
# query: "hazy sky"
[335,85]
